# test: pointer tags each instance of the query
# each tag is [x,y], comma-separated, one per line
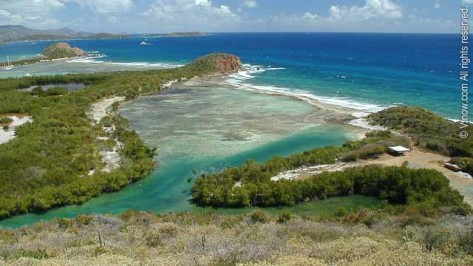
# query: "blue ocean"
[352,68]
[207,129]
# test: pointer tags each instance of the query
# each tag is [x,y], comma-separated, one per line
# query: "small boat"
[8,66]
[145,43]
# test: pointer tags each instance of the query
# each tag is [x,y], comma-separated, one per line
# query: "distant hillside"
[178,34]
[11,33]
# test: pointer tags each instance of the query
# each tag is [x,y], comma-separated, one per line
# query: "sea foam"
[93,60]
[250,72]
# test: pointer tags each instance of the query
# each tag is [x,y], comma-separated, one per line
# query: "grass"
[138,238]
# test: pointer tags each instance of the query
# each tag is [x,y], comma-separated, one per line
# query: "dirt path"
[421,159]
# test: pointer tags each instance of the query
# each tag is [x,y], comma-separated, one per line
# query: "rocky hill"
[62,50]
[218,63]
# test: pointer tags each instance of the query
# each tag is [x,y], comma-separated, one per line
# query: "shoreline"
[40,59]
[350,117]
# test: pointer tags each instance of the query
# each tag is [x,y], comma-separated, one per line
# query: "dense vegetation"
[5,121]
[49,162]
[365,237]
[430,131]
[251,184]
[397,185]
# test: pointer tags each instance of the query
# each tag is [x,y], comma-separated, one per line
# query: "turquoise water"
[167,188]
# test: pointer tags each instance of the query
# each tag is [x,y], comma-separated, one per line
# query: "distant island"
[178,34]
[62,50]
[14,33]
[55,51]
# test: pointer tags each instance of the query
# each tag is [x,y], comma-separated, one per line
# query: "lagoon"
[204,130]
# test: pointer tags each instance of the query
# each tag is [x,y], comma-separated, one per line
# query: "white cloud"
[207,3]
[189,14]
[105,6]
[310,16]
[226,10]
[30,6]
[43,14]
[207,15]
[437,6]
[438,24]
[371,9]
[287,22]
[250,3]
[29,12]
[467,1]
[341,18]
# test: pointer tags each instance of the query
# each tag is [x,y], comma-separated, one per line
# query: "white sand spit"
[169,84]
[311,170]
[363,123]
[99,109]
[7,135]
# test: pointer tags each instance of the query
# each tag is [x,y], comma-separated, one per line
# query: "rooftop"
[399,149]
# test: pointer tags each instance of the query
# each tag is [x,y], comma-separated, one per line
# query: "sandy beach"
[98,110]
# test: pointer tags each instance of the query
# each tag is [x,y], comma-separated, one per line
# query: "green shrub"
[429,130]
[65,223]
[423,190]
[259,216]
[284,217]
[416,220]
[5,120]
[35,254]
[83,219]
[157,237]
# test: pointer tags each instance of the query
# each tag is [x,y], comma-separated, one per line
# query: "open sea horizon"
[366,71]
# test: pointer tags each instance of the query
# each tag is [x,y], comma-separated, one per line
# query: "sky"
[159,16]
